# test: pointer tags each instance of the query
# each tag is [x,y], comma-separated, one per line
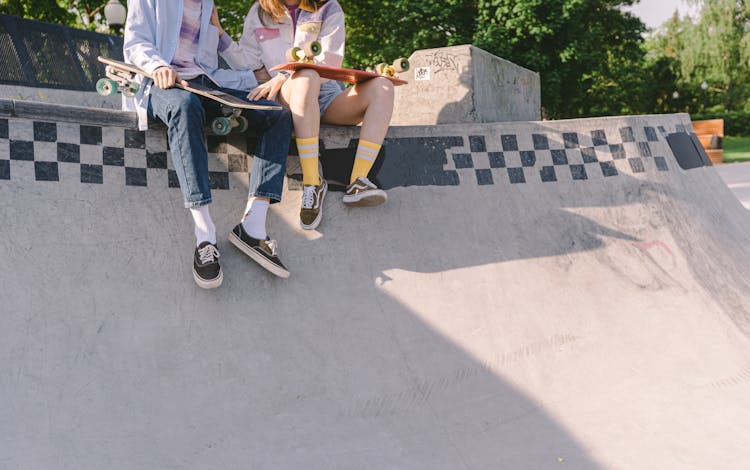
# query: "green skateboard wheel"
[106,87]
[292,55]
[312,49]
[242,124]
[401,65]
[221,126]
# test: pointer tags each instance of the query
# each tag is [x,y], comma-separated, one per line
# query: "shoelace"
[308,197]
[208,254]
[271,244]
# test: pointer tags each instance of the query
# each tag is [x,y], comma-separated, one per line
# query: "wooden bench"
[711,135]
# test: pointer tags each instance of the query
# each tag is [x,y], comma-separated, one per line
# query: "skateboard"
[304,58]
[121,78]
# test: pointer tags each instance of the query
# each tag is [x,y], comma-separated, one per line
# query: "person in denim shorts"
[271,28]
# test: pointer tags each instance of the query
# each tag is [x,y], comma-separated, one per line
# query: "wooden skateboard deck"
[335,73]
[210,93]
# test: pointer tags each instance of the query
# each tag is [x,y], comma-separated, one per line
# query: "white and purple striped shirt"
[187,46]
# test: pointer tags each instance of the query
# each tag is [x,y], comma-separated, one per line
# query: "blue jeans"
[185,115]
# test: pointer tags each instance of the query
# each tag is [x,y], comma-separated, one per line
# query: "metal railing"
[38,54]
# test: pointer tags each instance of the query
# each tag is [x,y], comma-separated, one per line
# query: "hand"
[165,77]
[215,20]
[269,89]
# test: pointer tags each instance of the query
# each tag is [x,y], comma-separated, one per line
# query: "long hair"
[275,10]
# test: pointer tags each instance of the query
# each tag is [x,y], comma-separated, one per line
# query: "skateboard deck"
[210,93]
[335,73]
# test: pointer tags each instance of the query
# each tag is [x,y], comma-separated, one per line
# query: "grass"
[736,149]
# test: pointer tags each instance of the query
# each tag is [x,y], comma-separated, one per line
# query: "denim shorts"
[328,92]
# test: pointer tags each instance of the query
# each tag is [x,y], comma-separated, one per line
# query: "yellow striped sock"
[367,153]
[308,158]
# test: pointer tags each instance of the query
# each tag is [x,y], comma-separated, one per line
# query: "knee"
[189,105]
[381,91]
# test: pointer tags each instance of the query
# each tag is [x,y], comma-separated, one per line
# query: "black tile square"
[463,160]
[599,137]
[497,159]
[219,179]
[548,174]
[484,177]
[661,163]
[626,133]
[113,156]
[636,164]
[608,168]
[135,177]
[617,151]
[4,169]
[68,153]
[4,129]
[45,132]
[135,139]
[662,130]
[589,155]
[578,172]
[516,175]
[509,141]
[237,163]
[46,171]
[91,135]
[644,150]
[477,143]
[541,142]
[559,157]
[217,144]
[92,174]
[174,182]
[157,160]
[571,140]
[528,158]
[651,134]
[21,150]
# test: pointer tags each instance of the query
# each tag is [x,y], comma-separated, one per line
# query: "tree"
[44,10]
[588,52]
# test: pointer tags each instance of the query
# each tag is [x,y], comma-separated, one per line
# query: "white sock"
[205,231]
[254,221]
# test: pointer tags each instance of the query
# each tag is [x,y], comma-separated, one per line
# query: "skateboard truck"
[390,70]
[305,54]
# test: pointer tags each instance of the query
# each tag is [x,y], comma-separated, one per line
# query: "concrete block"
[464,84]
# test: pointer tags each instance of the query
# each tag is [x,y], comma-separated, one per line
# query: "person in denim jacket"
[271,28]
[174,41]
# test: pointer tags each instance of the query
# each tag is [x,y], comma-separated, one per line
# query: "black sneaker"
[262,252]
[206,269]
[363,193]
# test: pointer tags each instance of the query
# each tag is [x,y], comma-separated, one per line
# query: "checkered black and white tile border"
[48,151]
[549,157]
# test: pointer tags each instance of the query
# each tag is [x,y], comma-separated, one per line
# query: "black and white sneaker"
[206,269]
[263,252]
[363,193]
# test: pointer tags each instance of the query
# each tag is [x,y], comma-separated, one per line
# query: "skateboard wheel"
[381,68]
[106,87]
[292,55]
[312,48]
[401,65]
[242,124]
[221,126]
[130,90]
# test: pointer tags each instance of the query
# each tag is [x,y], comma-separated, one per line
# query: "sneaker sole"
[205,284]
[257,257]
[366,199]
[317,220]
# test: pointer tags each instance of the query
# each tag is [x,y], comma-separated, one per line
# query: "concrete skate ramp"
[507,309]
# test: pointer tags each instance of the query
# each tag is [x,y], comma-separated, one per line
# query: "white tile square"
[135,158]
[45,151]
[113,137]
[68,133]
[21,129]
[91,154]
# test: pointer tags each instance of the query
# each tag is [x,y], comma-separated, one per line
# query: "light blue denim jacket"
[152,32]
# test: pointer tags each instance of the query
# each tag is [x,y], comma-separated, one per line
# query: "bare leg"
[370,103]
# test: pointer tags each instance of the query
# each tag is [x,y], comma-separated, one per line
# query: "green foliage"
[44,10]
[588,52]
